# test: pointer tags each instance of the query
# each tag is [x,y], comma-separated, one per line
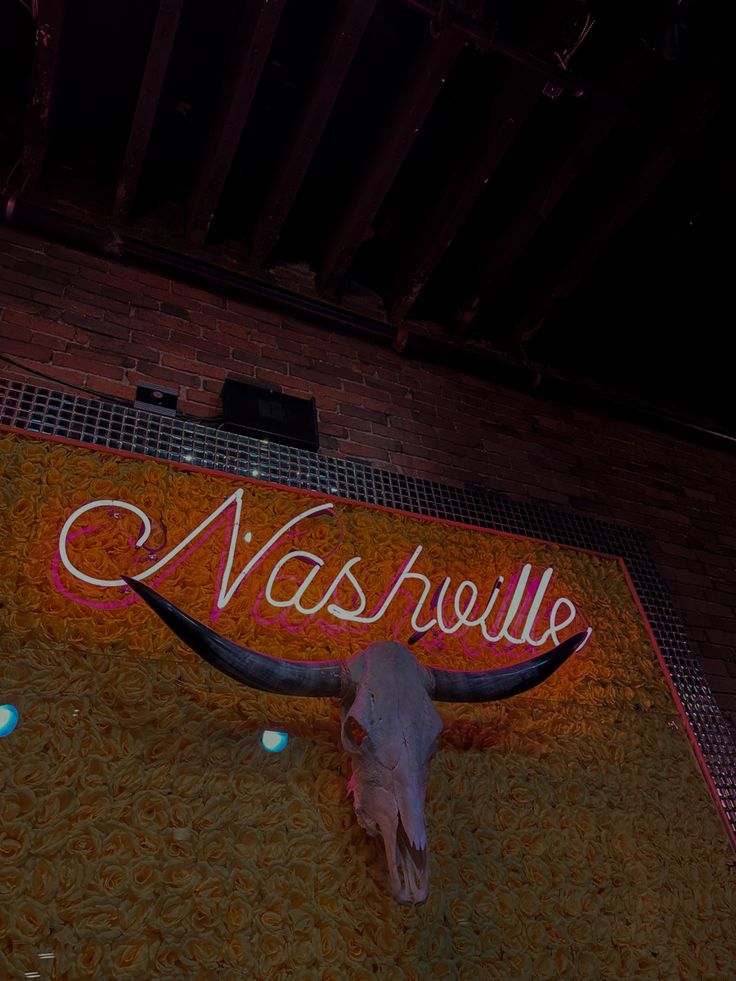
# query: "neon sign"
[517,611]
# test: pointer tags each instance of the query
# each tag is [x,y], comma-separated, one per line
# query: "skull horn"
[320,679]
[489,686]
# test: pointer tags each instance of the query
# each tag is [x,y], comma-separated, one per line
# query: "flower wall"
[145,833]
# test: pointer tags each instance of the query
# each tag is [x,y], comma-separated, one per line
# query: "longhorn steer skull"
[389,724]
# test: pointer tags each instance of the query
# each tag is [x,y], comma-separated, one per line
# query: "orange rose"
[90,954]
[131,957]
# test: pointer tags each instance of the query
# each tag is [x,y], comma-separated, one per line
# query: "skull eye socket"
[353,732]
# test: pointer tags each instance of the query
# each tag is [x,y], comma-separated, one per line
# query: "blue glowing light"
[8,719]
[274,742]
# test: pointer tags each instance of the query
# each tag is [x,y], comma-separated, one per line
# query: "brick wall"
[106,326]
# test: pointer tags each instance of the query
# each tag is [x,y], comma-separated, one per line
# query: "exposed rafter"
[347,29]
[46,50]
[507,243]
[698,95]
[509,107]
[159,53]
[260,25]
[487,38]
[413,104]
[619,210]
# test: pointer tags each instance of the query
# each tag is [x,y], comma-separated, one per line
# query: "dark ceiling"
[551,180]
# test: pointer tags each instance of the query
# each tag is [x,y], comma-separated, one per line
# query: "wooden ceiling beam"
[506,114]
[620,210]
[345,34]
[486,38]
[697,94]
[413,105]
[507,110]
[44,72]
[157,63]
[568,161]
[507,247]
[260,26]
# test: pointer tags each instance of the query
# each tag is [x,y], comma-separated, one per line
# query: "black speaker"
[268,414]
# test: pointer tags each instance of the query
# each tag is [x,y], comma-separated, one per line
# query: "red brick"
[151,278]
[362,412]
[188,335]
[328,378]
[727,702]
[234,336]
[31,255]
[100,342]
[213,357]
[204,318]
[82,320]
[152,333]
[107,386]
[272,379]
[174,310]
[193,403]
[157,373]
[12,332]
[368,439]
[90,364]
[323,397]
[283,343]
[48,340]
[104,290]
[257,313]
[230,316]
[39,325]
[144,301]
[108,328]
[214,385]
[123,277]
[330,429]
[366,453]
[182,289]
[78,258]
[700,495]
[62,375]
[712,666]
[182,363]
[25,350]
[10,289]
[41,271]
[103,302]
[66,306]
[250,357]
[202,398]
[416,428]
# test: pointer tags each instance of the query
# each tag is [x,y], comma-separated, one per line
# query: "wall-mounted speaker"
[268,414]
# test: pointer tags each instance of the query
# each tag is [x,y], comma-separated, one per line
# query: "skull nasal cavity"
[354,731]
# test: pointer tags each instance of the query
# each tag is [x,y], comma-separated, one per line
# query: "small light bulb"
[274,742]
[8,719]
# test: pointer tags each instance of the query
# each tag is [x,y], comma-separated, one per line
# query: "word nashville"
[518,605]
